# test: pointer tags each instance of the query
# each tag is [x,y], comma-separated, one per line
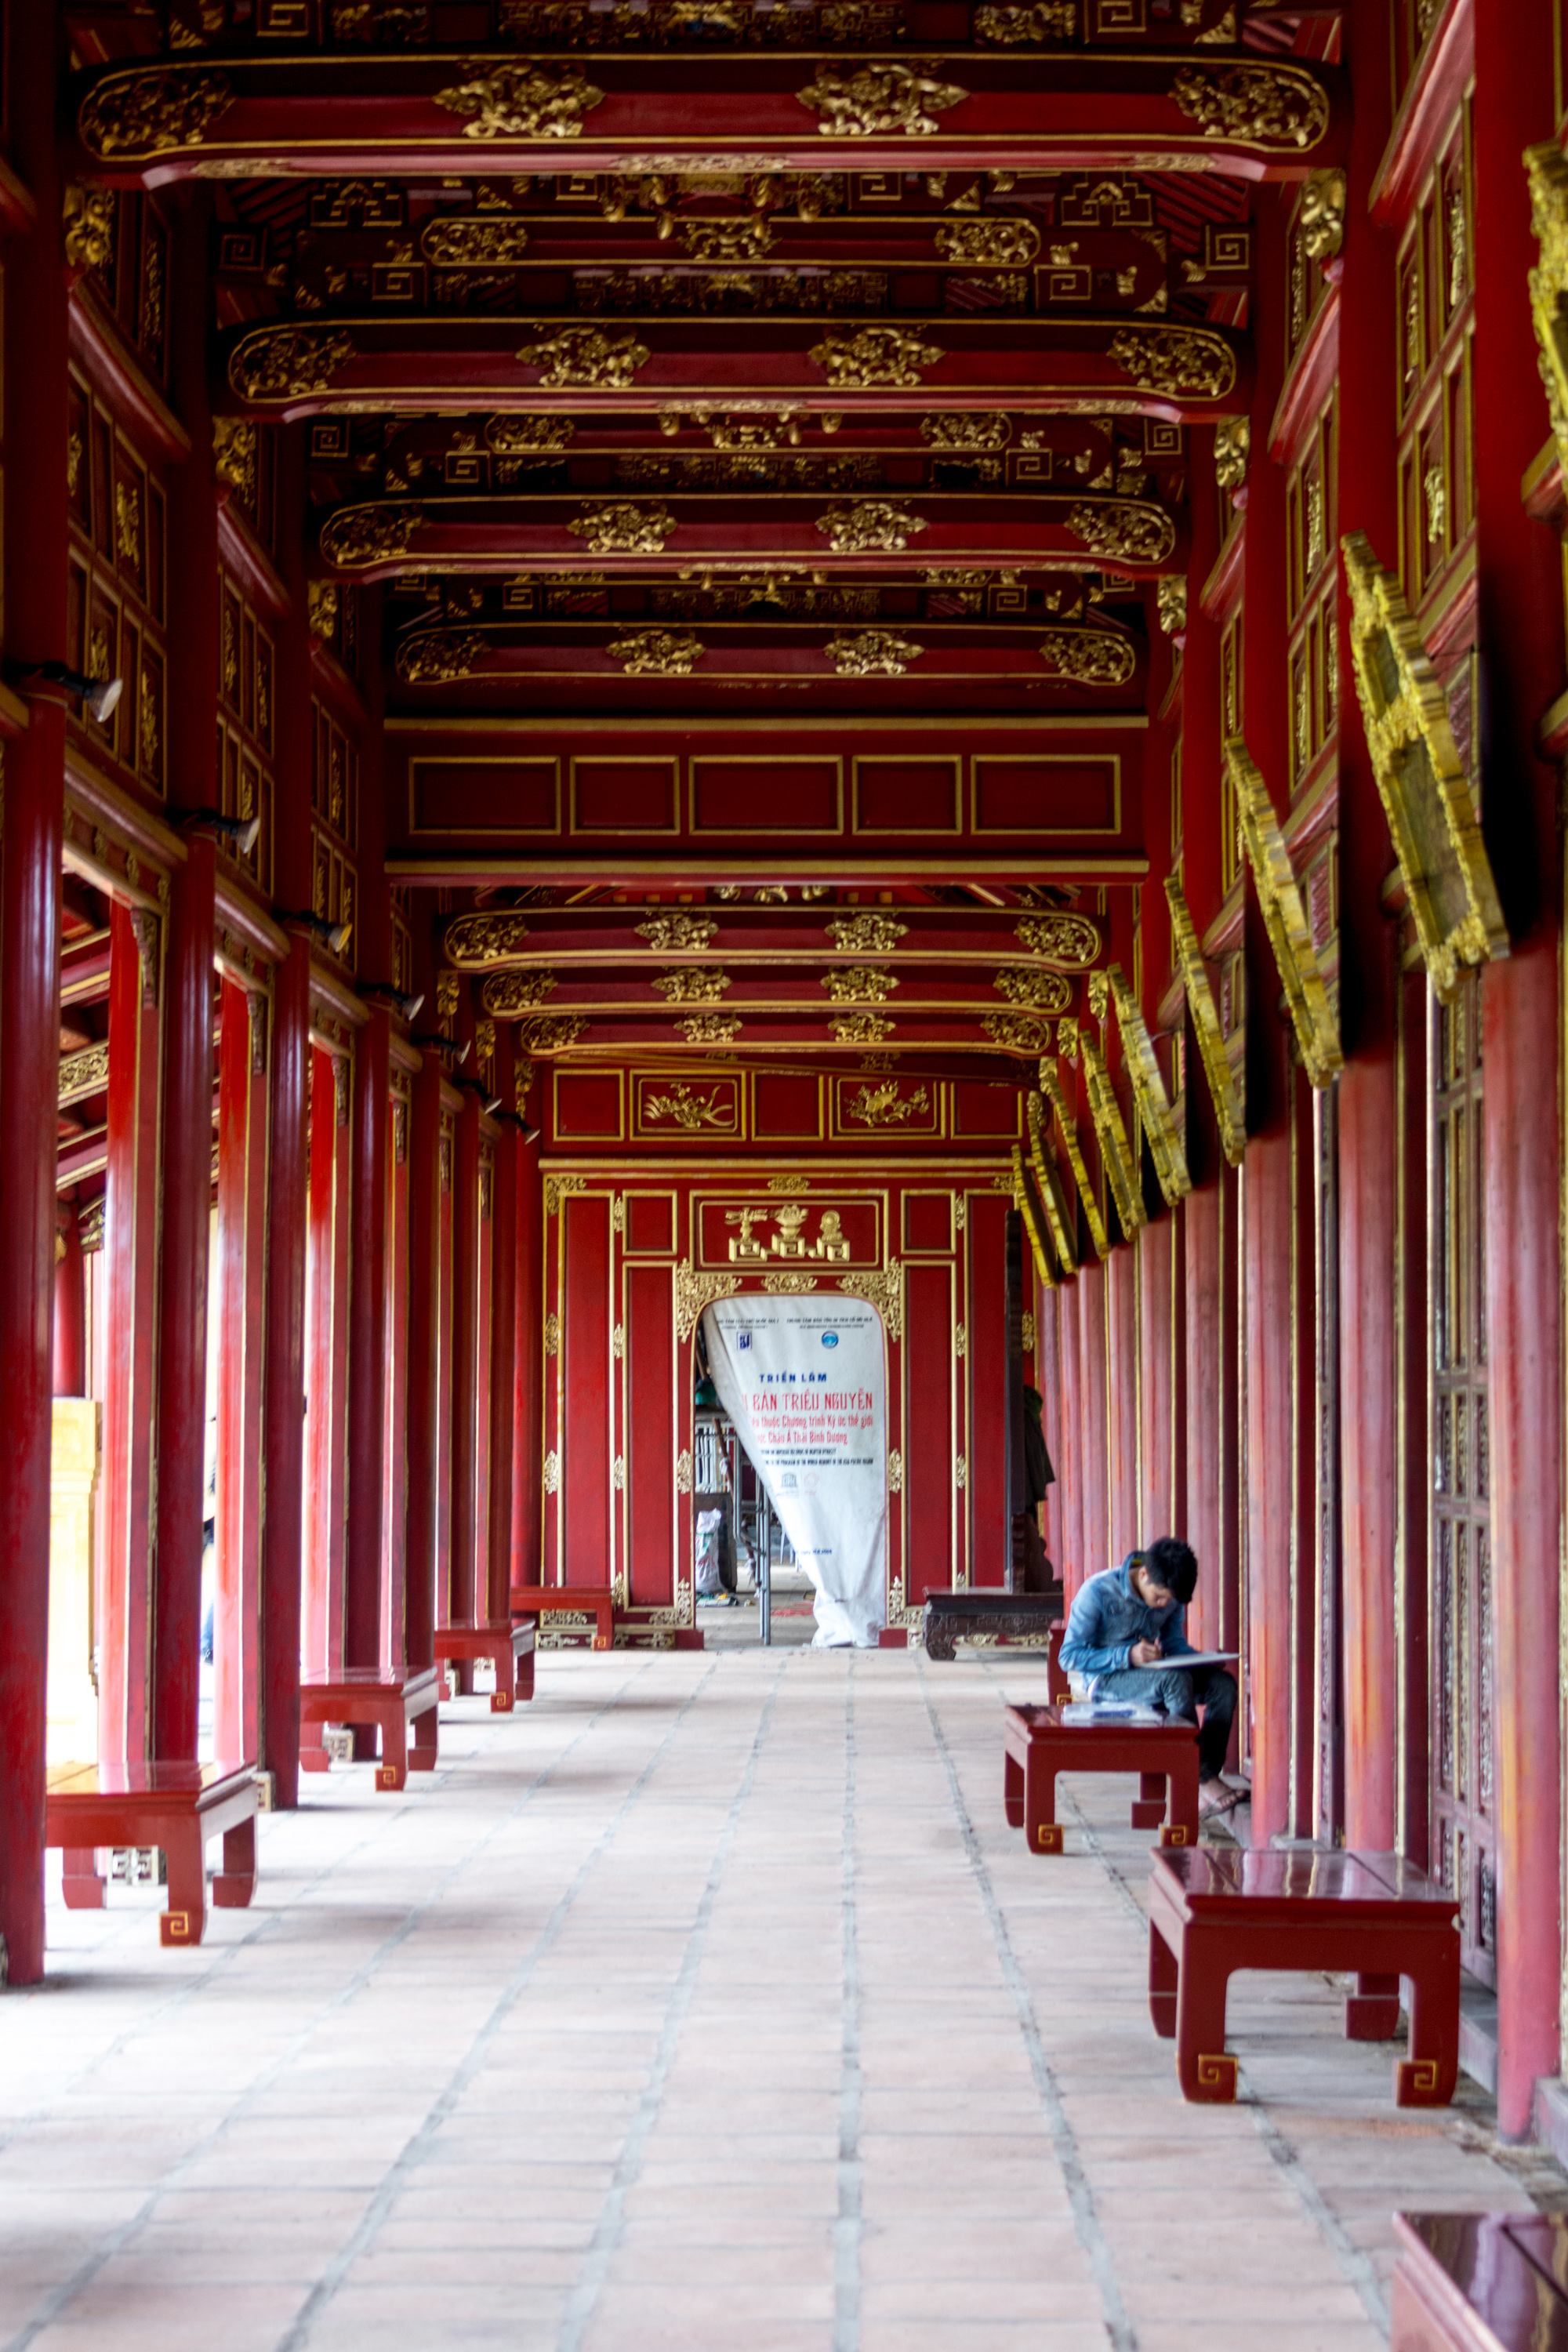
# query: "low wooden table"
[395,1704]
[1037,1745]
[1003,1617]
[1469,2282]
[176,1807]
[595,1600]
[511,1648]
[1213,1911]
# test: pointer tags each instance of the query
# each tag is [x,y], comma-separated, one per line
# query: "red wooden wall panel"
[585,1292]
[928,1429]
[990,1530]
[654,1365]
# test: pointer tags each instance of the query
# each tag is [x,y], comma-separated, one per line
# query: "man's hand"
[1145,1654]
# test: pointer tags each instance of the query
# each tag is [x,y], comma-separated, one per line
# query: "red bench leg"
[83,1886]
[504,1696]
[422,1755]
[313,1757]
[1181,1828]
[1372,2012]
[1149,1805]
[524,1666]
[1427,2078]
[185,1921]
[1203,2068]
[1058,1686]
[1011,1791]
[1162,1985]
[392,1772]
[235,1882]
[1041,1828]
[604,1639]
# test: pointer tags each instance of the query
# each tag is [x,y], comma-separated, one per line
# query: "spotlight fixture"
[492,1104]
[334,936]
[99,696]
[394,1000]
[242,832]
[431,1041]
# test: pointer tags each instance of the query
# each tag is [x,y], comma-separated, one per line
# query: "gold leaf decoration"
[1272,107]
[690,1110]
[1070,939]
[679,934]
[1042,991]
[1159,1122]
[130,115]
[712,1028]
[322,596]
[885,1292]
[869,526]
[989,243]
[1205,1024]
[745,239]
[1085,1192]
[790,1285]
[1017,1032]
[1123,530]
[585,355]
[865,984]
[1320,215]
[1014,26]
[866,934]
[967,429]
[515,436]
[436,656]
[860,1028]
[873,357]
[83,1074]
[657,653]
[1062,1223]
[234,454]
[476,942]
[90,216]
[506,994]
[1088,657]
[885,1106]
[464,242]
[692,984]
[277,363]
[1115,1149]
[522,101]
[1180,361]
[1232,448]
[620,526]
[875,653]
[694,1291]
[1547,168]
[1284,917]
[1170,596]
[552,1033]
[353,537]
[878,99]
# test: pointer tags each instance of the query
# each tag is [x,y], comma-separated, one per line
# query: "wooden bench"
[1037,1745]
[1213,1911]
[394,1704]
[1469,2282]
[176,1807]
[508,1646]
[964,1614]
[595,1600]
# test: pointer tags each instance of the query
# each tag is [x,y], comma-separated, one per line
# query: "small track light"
[99,696]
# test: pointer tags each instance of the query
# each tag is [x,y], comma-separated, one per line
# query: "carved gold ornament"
[967,429]
[437,656]
[1088,657]
[1232,448]
[83,1074]
[1058,1214]
[1159,1120]
[465,241]
[1204,1015]
[1042,991]
[1320,215]
[885,1106]
[679,934]
[688,1109]
[885,1292]
[1123,531]
[1262,106]
[323,603]
[1180,361]
[552,1472]
[874,358]
[878,99]
[862,1027]
[1017,1032]
[586,355]
[88,219]
[692,984]
[517,437]
[233,454]
[560,1188]
[712,1028]
[1085,1192]
[745,239]
[1027,1199]
[1170,596]
[865,984]
[1115,1148]
[1284,917]
[875,653]
[991,243]
[356,537]
[1071,941]
[1041,20]
[869,526]
[866,934]
[508,995]
[657,653]
[790,1284]
[130,115]
[1548,172]
[1421,778]
[623,528]
[288,362]
[478,942]
[522,101]
[694,1291]
[552,1033]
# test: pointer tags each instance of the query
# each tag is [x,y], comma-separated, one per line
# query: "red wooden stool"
[1037,1745]
[176,1807]
[595,1600]
[510,1646]
[1213,1910]
[392,1703]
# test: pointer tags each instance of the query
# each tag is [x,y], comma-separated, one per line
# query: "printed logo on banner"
[743,1340]
[830,1338]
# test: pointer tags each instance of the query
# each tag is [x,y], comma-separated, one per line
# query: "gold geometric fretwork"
[1421,778]
[1149,1087]
[1285,918]
[1195,974]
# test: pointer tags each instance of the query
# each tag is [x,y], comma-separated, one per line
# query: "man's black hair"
[1171,1564]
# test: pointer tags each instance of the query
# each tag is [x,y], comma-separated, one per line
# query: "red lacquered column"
[1157,1403]
[1096,1503]
[1521,641]
[464,1364]
[1048,1380]
[504,1386]
[528,1357]
[1122,1397]
[285,1375]
[70,1359]
[1067,1462]
[424,1327]
[367,1344]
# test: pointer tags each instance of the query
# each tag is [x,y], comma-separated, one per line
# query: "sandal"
[1217,1797]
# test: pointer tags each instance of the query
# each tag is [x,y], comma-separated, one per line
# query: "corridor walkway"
[707,2002]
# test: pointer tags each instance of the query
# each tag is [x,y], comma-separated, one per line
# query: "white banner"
[802,1378]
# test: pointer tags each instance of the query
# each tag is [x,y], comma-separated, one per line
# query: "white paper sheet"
[802,1380]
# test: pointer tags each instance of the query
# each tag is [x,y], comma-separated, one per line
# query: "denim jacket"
[1110,1616]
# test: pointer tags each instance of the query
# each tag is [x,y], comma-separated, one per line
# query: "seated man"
[1123,1623]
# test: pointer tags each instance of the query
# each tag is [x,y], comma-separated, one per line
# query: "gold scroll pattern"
[1421,779]
[1149,1088]
[1069,1125]
[1115,1149]
[1205,1014]
[885,1292]
[1063,1224]
[1548,172]
[1285,918]
[1031,1208]
[694,1291]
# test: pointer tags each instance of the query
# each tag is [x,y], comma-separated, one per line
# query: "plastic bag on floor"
[709,1579]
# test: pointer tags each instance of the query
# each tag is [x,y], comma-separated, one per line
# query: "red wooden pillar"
[395,1482]
[1121,1398]
[1068,1459]
[503,1377]
[450,1103]
[1521,628]
[240,1275]
[326,1363]
[424,1362]
[466,1323]
[528,1389]
[1157,1513]
[69,1356]
[283,1535]
[364,1550]
[1091,1405]
[1048,1380]
[1200,1273]
[484,1335]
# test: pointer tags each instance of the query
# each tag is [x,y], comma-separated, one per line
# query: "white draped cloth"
[803,1379]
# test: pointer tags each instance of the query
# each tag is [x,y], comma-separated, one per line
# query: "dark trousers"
[1172,1692]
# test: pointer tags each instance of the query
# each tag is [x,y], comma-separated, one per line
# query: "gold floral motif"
[356,537]
[1124,531]
[620,526]
[323,604]
[885,1292]
[875,358]
[516,437]
[790,1285]
[476,942]
[235,454]
[130,115]
[1548,172]
[690,1110]
[1088,657]
[869,526]
[1017,1032]
[878,98]
[1011,26]
[866,934]
[1321,217]
[89,217]
[866,983]
[522,101]
[712,1028]
[967,429]
[1190,361]
[553,1335]
[692,984]
[860,1028]
[679,934]
[560,1188]
[448,994]
[1284,917]
[1042,991]
[552,1472]
[506,994]
[745,239]
[550,1032]
[83,1074]
[1261,106]
[875,653]
[150,720]
[279,363]
[993,243]
[683,1468]
[464,242]
[586,355]
[885,1106]
[1170,596]
[694,1291]
[438,655]
[657,653]
[128,523]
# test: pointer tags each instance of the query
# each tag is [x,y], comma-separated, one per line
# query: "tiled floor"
[708,2001]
